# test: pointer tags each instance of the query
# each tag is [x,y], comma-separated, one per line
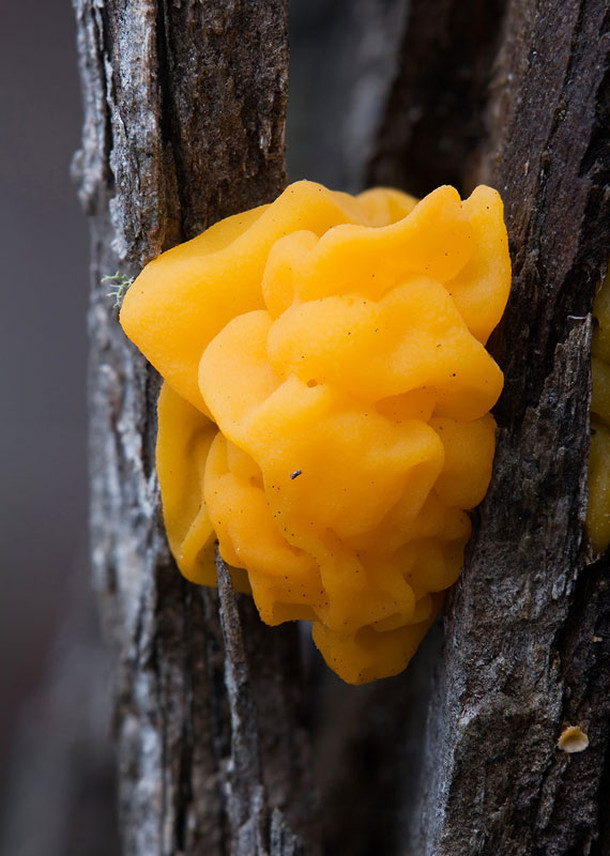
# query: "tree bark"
[184,124]
[527,631]
[184,121]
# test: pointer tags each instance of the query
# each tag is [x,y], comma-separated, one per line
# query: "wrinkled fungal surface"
[325,414]
[598,508]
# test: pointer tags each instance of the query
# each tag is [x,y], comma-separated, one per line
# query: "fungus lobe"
[598,509]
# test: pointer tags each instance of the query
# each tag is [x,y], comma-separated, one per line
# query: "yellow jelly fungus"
[325,414]
[598,509]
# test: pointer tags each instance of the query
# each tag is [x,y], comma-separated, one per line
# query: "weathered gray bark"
[527,631]
[184,124]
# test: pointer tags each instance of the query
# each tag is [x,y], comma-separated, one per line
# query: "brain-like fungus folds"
[325,414]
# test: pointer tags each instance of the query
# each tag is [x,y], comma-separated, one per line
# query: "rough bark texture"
[527,644]
[184,124]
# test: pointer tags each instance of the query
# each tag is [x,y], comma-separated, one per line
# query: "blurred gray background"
[343,55]
[44,279]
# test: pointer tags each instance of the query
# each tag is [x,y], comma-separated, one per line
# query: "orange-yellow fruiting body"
[326,408]
[598,509]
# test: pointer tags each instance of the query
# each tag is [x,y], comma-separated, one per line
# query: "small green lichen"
[120,284]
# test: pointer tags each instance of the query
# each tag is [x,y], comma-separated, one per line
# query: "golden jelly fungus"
[325,414]
[598,509]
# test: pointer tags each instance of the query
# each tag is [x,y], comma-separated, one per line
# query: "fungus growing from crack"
[342,340]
